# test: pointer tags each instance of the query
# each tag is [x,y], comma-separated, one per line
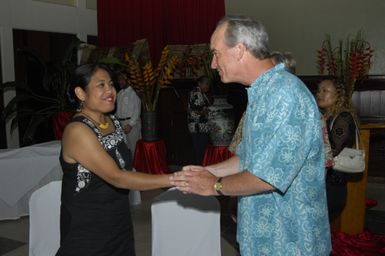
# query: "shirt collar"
[267,74]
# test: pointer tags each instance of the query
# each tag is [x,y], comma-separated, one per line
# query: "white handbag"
[350,160]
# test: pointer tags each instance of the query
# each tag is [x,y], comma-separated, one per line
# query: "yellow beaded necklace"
[103,126]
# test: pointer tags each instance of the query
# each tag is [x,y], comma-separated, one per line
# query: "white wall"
[39,16]
[299,26]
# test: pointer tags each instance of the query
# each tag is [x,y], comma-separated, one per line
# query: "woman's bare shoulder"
[78,134]
[77,139]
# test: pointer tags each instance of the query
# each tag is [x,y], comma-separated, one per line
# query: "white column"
[8,74]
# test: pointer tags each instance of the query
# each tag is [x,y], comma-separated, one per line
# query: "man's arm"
[202,182]
[225,168]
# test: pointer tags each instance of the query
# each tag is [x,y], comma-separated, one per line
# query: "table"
[24,170]
[215,154]
[150,157]
[352,219]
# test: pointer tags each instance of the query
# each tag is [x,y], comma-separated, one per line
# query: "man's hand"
[194,179]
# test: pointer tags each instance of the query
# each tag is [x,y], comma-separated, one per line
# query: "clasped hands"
[194,179]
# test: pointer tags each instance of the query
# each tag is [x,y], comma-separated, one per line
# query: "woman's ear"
[80,93]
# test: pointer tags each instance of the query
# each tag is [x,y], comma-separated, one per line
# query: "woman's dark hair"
[81,77]
[343,103]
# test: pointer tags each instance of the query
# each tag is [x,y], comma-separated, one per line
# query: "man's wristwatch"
[218,186]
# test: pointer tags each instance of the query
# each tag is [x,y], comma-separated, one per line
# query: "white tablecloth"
[24,170]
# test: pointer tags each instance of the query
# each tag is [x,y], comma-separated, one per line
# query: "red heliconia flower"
[350,63]
[321,60]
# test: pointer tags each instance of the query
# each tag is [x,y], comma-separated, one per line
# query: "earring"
[80,107]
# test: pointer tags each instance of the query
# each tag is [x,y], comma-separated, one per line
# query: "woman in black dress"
[340,119]
[97,176]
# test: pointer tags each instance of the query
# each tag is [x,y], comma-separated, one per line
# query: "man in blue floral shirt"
[278,170]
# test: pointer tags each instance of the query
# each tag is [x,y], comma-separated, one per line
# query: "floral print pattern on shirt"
[282,145]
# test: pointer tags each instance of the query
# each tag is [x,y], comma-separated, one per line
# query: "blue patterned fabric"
[282,145]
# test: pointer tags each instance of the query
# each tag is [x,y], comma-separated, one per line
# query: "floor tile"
[17,230]
[7,245]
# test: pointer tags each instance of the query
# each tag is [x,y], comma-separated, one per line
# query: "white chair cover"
[44,220]
[185,224]
[134,195]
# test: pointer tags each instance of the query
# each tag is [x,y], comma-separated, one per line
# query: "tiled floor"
[17,230]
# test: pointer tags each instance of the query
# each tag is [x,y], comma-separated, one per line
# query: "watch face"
[218,186]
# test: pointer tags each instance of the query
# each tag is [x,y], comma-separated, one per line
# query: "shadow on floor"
[7,245]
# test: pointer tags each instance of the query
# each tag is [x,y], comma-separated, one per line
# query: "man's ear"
[80,93]
[240,51]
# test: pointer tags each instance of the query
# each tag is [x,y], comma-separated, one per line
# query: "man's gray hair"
[245,30]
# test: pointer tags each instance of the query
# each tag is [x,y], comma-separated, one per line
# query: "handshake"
[195,179]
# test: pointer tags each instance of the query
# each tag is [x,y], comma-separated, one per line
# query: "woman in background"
[340,120]
[197,118]
[95,213]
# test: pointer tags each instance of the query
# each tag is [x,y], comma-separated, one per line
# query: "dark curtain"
[161,22]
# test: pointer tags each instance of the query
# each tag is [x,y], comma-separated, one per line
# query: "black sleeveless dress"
[95,216]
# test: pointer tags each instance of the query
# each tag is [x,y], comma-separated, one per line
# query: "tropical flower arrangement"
[189,64]
[148,81]
[195,65]
[349,62]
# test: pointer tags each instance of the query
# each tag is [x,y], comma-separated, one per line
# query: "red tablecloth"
[363,244]
[150,157]
[215,154]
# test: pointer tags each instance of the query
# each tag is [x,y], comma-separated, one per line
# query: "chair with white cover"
[185,224]
[134,195]
[44,220]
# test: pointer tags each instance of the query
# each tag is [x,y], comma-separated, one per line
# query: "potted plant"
[32,108]
[349,61]
[147,82]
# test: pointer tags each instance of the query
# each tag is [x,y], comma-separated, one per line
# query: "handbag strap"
[357,133]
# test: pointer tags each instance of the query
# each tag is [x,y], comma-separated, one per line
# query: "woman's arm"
[342,133]
[80,145]
[222,169]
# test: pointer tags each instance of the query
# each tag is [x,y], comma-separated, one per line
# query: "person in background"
[128,109]
[278,170]
[197,117]
[337,109]
[286,58]
[95,212]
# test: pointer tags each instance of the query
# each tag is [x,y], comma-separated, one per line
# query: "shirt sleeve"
[342,133]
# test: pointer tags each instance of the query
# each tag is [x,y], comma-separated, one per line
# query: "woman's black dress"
[341,135]
[95,216]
